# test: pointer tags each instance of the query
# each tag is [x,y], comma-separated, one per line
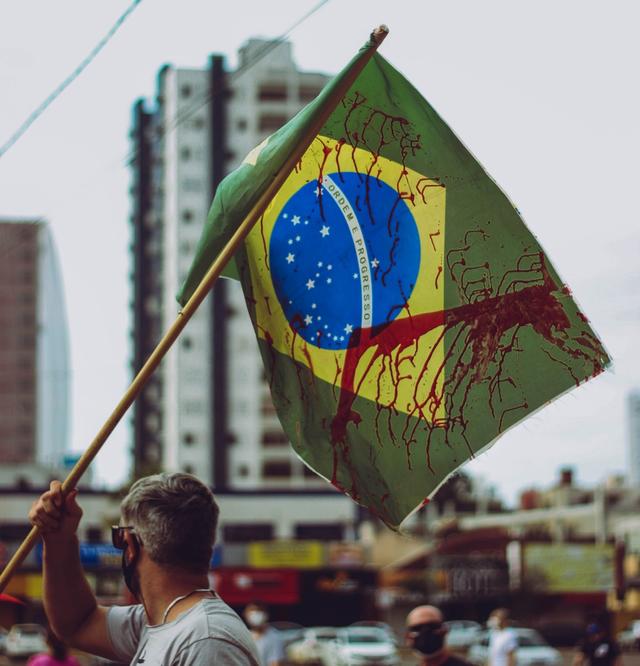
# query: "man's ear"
[132,547]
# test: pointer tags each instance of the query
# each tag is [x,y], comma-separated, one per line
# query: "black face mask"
[429,640]
[129,572]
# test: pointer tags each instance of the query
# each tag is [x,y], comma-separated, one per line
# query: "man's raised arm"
[70,605]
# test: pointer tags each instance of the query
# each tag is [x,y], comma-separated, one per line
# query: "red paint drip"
[477,328]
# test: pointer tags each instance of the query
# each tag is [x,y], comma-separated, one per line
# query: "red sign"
[239,586]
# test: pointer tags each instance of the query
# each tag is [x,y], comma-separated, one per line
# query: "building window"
[198,123]
[188,438]
[187,216]
[186,90]
[185,153]
[187,343]
[309,473]
[320,531]
[188,469]
[272,92]
[308,93]
[245,532]
[276,469]
[274,438]
[242,471]
[271,122]
[267,408]
[241,124]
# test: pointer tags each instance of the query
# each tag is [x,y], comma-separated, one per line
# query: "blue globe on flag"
[344,257]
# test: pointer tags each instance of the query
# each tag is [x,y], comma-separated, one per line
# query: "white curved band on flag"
[362,257]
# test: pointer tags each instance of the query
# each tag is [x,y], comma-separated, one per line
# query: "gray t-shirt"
[208,633]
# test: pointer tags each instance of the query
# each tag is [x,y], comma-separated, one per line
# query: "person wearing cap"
[426,635]
[166,534]
[597,648]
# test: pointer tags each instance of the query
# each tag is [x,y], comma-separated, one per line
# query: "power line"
[182,116]
[205,98]
[69,80]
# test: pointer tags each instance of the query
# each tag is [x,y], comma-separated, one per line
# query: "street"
[628,659]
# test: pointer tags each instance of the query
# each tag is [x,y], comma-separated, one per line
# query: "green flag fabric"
[405,315]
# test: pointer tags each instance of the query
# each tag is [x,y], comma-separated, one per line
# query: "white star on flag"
[324,231]
[290,257]
[296,220]
[310,284]
[308,320]
[375,263]
[348,329]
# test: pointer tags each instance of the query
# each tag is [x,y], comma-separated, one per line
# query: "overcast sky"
[544,93]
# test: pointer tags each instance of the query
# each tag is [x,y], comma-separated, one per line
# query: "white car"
[362,645]
[461,634]
[532,650]
[311,648]
[629,638]
[23,640]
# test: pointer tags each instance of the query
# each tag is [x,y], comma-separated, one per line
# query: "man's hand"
[57,517]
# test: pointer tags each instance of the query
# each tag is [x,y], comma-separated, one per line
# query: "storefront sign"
[294,554]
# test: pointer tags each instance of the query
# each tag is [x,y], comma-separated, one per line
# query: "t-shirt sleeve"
[213,651]
[125,624]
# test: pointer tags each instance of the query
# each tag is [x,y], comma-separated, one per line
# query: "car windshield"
[325,637]
[368,637]
[531,640]
[26,630]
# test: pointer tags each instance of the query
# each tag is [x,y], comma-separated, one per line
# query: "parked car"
[362,645]
[3,639]
[629,638]
[380,625]
[532,650]
[23,640]
[289,631]
[311,647]
[462,634]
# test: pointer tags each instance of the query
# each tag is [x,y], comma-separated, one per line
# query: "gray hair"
[175,516]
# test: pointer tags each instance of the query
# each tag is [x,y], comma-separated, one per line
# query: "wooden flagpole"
[377,36]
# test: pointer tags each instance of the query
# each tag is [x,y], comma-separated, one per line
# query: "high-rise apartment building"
[34,352]
[634,438]
[208,408]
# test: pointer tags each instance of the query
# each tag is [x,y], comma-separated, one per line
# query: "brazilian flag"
[405,315]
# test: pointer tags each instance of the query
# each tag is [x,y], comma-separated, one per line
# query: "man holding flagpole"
[166,534]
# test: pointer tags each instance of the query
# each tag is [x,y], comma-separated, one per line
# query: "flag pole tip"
[379,34]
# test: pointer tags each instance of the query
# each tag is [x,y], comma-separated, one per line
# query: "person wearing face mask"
[502,639]
[597,648]
[426,634]
[268,641]
[166,534]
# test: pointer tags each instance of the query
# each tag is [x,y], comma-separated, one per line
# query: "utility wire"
[69,80]
[180,118]
[206,97]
